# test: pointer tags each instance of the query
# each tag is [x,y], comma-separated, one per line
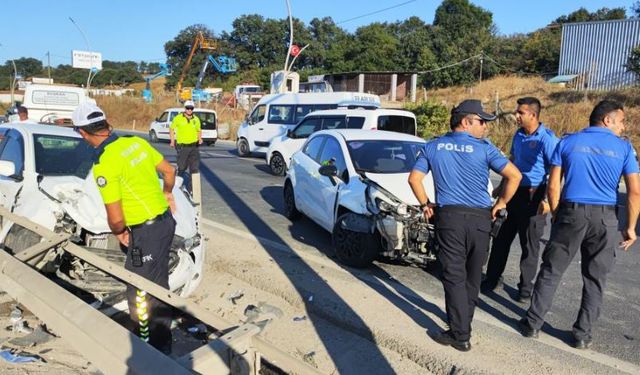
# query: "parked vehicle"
[274,114]
[353,183]
[45,176]
[53,104]
[282,147]
[159,129]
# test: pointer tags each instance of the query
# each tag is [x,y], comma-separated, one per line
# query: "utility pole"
[49,65]
[481,61]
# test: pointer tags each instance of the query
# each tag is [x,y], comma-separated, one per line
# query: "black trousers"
[463,235]
[593,230]
[188,158]
[150,317]
[523,220]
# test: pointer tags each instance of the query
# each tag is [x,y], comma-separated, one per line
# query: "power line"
[376,12]
[450,65]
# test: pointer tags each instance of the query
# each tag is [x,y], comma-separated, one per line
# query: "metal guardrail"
[111,347]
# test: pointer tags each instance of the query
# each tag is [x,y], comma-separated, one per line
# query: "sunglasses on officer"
[480,120]
[189,108]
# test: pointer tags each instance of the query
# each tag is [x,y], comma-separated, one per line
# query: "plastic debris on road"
[11,357]
[299,318]
[235,296]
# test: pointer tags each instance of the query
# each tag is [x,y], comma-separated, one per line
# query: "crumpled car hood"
[81,200]
[398,185]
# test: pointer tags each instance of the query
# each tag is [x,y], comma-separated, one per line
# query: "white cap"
[86,114]
[189,103]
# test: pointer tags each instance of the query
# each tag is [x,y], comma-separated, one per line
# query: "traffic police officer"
[531,151]
[460,163]
[591,162]
[186,136]
[126,172]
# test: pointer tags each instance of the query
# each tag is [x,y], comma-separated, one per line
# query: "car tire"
[290,210]
[243,147]
[153,137]
[277,164]
[211,143]
[355,249]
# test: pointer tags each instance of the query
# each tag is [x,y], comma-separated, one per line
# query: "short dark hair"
[532,103]
[456,118]
[22,109]
[96,127]
[602,109]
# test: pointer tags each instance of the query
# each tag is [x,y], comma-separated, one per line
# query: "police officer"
[125,170]
[531,151]
[186,142]
[591,162]
[460,163]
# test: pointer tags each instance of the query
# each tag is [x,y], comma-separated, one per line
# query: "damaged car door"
[328,184]
[11,166]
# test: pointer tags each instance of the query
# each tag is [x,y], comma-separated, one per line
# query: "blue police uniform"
[460,167]
[592,162]
[531,154]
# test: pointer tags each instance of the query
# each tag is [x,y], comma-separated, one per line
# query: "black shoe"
[446,338]
[582,343]
[526,330]
[523,298]
[488,286]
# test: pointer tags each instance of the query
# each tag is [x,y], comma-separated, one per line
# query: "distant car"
[353,183]
[45,176]
[159,128]
[282,147]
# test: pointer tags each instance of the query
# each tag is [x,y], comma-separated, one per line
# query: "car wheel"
[243,147]
[153,137]
[211,143]
[290,210]
[277,164]
[355,249]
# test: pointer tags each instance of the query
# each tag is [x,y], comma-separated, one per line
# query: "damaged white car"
[45,176]
[353,183]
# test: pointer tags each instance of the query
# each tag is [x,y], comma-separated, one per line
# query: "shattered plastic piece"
[299,318]
[263,311]
[235,296]
[8,356]
[39,336]
[311,298]
[198,328]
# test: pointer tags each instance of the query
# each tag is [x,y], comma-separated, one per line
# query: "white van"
[281,149]
[159,129]
[274,114]
[52,103]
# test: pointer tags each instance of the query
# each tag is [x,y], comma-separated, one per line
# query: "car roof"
[370,135]
[34,128]
[362,112]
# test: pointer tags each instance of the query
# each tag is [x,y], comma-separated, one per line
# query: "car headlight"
[185,243]
[398,208]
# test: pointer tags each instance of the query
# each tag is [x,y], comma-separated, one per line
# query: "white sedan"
[353,183]
[45,176]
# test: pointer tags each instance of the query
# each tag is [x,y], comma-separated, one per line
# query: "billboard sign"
[86,60]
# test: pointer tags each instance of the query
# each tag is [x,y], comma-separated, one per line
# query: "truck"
[53,104]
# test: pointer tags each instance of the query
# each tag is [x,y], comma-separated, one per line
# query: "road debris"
[39,336]
[299,318]
[13,356]
[236,296]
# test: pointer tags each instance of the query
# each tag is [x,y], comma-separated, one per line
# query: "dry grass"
[564,110]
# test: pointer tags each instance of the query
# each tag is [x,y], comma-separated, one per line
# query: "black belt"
[187,144]
[575,205]
[482,212]
[160,217]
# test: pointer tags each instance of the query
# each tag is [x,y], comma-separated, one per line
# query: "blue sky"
[137,30]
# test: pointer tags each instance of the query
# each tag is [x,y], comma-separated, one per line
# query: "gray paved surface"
[231,184]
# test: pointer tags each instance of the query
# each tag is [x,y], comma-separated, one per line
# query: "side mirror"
[290,133]
[328,170]
[7,168]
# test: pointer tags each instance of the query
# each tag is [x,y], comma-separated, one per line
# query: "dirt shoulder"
[355,322]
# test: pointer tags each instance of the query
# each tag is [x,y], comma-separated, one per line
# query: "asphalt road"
[241,193]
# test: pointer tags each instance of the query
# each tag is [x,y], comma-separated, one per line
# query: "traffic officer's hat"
[87,113]
[189,104]
[473,106]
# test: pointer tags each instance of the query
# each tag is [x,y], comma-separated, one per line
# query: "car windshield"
[383,156]
[62,156]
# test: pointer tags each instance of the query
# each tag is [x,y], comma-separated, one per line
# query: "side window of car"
[332,155]
[258,114]
[334,123]
[163,117]
[355,122]
[307,127]
[281,114]
[312,148]
[172,115]
[13,150]
[302,110]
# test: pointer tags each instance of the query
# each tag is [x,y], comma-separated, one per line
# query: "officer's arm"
[415,181]
[632,181]
[199,133]
[115,217]
[553,188]
[512,176]
[169,179]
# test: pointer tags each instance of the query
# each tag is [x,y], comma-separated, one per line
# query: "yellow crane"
[200,42]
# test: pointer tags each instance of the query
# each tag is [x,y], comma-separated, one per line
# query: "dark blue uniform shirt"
[592,161]
[532,154]
[460,166]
